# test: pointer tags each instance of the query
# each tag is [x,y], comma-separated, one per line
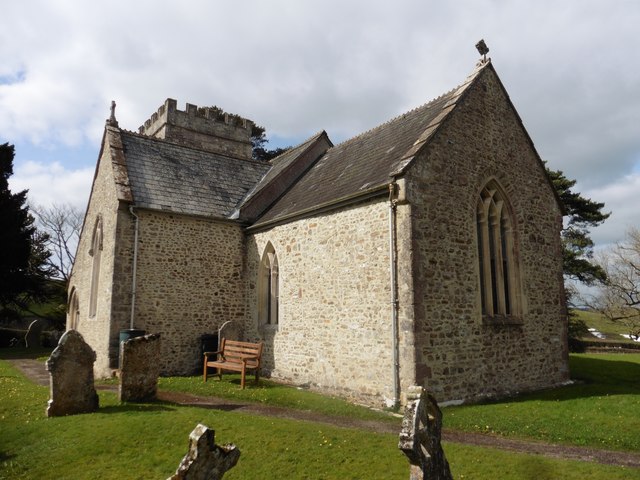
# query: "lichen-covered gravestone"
[420,437]
[70,369]
[205,460]
[139,368]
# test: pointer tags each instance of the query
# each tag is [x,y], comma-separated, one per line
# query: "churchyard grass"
[602,409]
[272,393]
[147,441]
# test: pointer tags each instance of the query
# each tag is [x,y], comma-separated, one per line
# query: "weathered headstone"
[139,368]
[420,437]
[70,369]
[205,460]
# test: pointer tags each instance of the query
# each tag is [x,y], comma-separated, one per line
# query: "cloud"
[622,199]
[343,66]
[50,183]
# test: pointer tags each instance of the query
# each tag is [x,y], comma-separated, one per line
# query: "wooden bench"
[235,356]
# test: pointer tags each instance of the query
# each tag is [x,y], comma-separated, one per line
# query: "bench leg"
[242,378]
[205,371]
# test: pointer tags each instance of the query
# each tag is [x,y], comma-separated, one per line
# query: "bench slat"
[235,356]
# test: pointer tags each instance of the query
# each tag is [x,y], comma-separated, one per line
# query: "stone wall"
[203,128]
[104,203]
[460,356]
[334,329]
[189,283]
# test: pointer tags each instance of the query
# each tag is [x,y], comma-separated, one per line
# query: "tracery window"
[268,287]
[96,253]
[499,286]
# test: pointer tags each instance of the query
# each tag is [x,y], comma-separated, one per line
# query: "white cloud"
[52,183]
[341,65]
[622,199]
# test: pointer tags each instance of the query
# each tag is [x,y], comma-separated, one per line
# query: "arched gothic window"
[499,285]
[96,253]
[268,288]
[73,310]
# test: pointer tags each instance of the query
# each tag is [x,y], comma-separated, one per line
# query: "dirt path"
[36,371]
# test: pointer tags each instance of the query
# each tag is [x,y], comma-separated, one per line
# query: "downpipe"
[393,268]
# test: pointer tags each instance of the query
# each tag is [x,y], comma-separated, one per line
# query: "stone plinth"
[70,368]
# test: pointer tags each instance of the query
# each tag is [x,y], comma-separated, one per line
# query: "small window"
[96,253]
[496,254]
[268,287]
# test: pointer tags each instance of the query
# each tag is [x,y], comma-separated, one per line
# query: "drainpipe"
[135,267]
[393,267]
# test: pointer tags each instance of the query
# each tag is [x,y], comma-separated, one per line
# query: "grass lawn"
[611,330]
[601,410]
[147,441]
[272,393]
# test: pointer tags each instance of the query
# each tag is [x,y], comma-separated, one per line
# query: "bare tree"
[619,298]
[62,222]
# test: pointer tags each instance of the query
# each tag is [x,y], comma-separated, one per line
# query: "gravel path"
[36,371]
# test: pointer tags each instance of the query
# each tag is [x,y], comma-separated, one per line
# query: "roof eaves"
[431,129]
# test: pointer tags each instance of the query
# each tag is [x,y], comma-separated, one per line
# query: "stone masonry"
[139,369]
[460,354]
[334,301]
[71,371]
[205,460]
[333,216]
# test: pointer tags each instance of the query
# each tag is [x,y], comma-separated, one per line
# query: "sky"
[571,67]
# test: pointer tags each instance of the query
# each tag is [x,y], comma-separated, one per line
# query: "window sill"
[502,320]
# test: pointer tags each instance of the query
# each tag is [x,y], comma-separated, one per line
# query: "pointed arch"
[497,253]
[268,287]
[96,253]
[73,310]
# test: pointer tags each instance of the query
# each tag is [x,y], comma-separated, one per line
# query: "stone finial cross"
[420,437]
[205,460]
[112,118]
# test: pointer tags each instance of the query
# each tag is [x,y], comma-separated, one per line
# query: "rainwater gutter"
[135,267]
[393,268]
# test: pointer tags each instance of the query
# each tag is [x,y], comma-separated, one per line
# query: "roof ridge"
[301,144]
[398,117]
[164,140]
[478,67]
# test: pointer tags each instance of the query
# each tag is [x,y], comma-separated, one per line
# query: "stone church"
[423,251]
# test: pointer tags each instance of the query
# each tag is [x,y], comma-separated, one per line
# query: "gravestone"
[205,460]
[420,437]
[139,368]
[32,337]
[70,369]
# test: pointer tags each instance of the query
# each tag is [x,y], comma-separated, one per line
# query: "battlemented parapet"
[204,128]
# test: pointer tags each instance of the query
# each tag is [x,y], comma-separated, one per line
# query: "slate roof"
[170,177]
[367,161]
[281,162]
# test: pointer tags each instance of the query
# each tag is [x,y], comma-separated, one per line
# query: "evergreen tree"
[259,141]
[23,254]
[577,248]
[582,215]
